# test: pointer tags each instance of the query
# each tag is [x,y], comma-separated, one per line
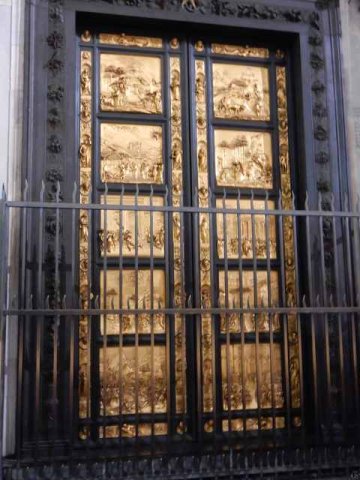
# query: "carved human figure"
[176,226]
[176,156]
[85,111]
[175,85]
[189,4]
[204,230]
[202,159]
[199,87]
[84,151]
[84,229]
[85,81]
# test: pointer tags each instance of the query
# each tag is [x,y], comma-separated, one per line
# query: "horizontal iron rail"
[182,209]
[186,311]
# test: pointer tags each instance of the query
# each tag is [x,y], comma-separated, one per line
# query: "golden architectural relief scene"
[243,159]
[85,159]
[241,92]
[239,50]
[131,153]
[125,40]
[130,83]
[260,289]
[129,430]
[150,286]
[205,233]
[242,223]
[134,349]
[266,423]
[126,379]
[290,274]
[251,376]
[121,227]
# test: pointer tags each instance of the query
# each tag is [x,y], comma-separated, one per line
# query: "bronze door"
[167,122]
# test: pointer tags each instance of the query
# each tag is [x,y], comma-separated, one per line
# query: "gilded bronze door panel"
[132,367]
[245,260]
[154,112]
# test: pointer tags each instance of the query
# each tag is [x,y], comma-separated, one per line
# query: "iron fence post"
[3,283]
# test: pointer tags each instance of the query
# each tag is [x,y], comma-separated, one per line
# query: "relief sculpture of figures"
[123,225]
[131,153]
[131,83]
[231,228]
[125,40]
[243,159]
[135,380]
[145,299]
[241,92]
[237,395]
[251,297]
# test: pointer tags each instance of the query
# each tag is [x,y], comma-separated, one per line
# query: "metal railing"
[235,427]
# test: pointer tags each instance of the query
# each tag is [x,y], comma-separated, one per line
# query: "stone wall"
[12,15]
[12,42]
[350,47]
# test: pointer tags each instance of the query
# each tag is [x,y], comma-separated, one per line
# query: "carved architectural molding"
[310,16]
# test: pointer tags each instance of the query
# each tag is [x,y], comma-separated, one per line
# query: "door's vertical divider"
[177,235]
[204,240]
[85,154]
[289,246]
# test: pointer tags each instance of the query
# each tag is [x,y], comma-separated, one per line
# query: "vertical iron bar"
[355,340]
[152,337]
[298,317]
[89,401]
[106,387]
[285,319]
[313,329]
[136,315]
[39,318]
[4,228]
[121,272]
[269,303]
[73,322]
[183,317]
[336,299]
[241,304]
[22,304]
[55,399]
[328,410]
[39,336]
[256,317]
[169,326]
[226,304]
[350,299]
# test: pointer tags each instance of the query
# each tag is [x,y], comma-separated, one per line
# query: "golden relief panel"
[241,92]
[130,83]
[125,40]
[177,230]
[204,241]
[128,430]
[131,153]
[122,226]
[243,159]
[288,233]
[147,298]
[266,423]
[139,386]
[251,376]
[232,322]
[243,223]
[85,160]
[239,50]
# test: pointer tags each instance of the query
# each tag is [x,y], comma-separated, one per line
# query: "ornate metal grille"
[136,124]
